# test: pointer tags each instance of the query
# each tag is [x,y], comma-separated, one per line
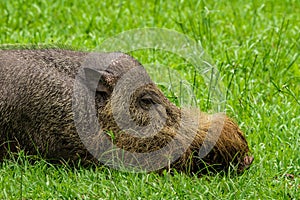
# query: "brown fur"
[36,113]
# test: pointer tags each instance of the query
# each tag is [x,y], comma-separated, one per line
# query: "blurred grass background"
[255,46]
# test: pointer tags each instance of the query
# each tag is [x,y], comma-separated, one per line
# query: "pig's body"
[36,113]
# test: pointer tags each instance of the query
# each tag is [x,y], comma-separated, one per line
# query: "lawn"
[254,44]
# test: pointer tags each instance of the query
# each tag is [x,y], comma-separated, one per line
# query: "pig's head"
[141,129]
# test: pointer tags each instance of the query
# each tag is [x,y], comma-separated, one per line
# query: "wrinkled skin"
[36,113]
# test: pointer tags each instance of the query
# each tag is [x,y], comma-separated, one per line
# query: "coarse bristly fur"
[36,114]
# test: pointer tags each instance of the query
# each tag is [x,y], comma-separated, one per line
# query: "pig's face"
[144,122]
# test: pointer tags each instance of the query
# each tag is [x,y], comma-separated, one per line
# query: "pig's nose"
[246,163]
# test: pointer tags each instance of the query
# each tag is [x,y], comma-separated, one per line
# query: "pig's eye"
[146,102]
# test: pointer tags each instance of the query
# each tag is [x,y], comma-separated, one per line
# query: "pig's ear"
[97,80]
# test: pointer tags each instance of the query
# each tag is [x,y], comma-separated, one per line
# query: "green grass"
[254,44]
